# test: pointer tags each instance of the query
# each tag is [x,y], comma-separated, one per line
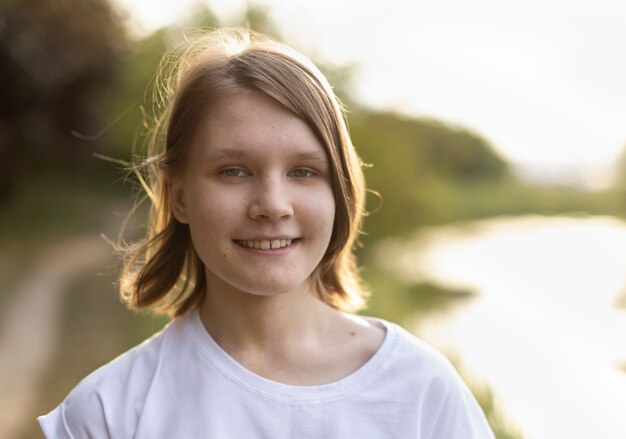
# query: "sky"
[542,80]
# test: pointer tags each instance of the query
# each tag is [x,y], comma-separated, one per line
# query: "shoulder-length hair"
[163,272]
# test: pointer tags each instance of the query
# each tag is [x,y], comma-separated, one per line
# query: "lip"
[266,238]
[277,251]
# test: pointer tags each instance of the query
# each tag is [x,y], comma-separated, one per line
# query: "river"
[547,327]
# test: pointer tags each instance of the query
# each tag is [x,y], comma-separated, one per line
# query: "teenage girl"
[258,197]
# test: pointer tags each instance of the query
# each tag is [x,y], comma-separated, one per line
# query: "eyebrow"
[221,153]
[231,153]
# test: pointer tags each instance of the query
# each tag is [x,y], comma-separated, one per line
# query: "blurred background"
[497,134]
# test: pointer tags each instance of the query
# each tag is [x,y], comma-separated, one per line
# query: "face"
[257,195]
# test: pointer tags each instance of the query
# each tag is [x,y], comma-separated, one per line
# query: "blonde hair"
[163,272]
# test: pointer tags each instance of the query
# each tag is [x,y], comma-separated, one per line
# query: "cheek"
[211,217]
[320,211]
[211,206]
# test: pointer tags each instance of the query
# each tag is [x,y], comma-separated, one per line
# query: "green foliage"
[52,204]
[427,172]
[57,57]
[434,148]
[257,18]
[399,301]
[620,172]
[416,163]
[127,111]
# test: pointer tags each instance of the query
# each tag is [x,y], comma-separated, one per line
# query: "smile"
[267,245]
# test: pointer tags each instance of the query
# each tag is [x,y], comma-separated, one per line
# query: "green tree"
[56,58]
[418,166]
[620,170]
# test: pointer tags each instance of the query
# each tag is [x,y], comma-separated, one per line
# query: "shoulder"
[108,401]
[416,357]
[424,375]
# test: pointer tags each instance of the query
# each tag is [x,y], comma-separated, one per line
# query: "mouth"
[266,244]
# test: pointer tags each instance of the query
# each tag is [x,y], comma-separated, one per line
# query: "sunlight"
[145,16]
[542,91]
[544,325]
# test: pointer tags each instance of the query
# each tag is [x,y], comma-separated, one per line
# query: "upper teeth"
[266,245]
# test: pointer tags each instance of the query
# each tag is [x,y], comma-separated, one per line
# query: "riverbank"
[543,329]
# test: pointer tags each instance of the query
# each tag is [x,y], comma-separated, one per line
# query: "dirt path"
[29,325]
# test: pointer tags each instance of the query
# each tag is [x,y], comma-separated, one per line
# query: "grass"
[51,204]
[15,262]
[94,328]
[49,207]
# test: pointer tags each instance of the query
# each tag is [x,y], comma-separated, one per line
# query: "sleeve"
[81,415]
[455,413]
[53,424]
[108,402]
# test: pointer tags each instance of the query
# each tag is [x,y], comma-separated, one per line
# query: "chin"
[271,289]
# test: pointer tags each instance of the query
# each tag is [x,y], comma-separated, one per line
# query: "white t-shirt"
[181,384]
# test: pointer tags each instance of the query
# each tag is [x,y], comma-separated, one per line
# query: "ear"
[177,200]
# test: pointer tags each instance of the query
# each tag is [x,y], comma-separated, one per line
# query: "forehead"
[247,124]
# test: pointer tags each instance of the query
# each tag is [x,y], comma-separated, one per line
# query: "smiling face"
[257,195]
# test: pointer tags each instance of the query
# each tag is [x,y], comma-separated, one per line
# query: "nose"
[271,200]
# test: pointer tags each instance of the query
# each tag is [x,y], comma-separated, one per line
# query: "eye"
[302,173]
[233,172]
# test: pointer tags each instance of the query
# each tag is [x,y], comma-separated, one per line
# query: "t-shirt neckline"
[219,359]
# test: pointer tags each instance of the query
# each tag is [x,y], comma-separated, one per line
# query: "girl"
[258,196]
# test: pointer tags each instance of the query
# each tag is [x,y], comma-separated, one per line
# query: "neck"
[271,325]
[292,337]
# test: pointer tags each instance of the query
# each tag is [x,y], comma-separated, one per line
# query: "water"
[547,330]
